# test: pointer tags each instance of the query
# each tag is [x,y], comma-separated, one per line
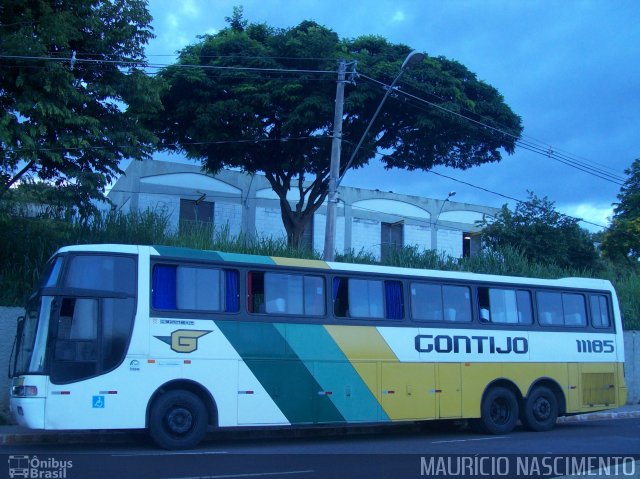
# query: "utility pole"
[334,173]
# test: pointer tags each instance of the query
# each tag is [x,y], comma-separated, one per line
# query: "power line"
[175,145]
[377,153]
[544,150]
[141,63]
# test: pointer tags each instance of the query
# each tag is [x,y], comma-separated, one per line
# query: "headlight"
[24,391]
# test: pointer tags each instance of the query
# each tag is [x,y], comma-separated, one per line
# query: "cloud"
[399,16]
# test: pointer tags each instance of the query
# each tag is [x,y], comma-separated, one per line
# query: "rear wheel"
[178,420]
[540,410]
[499,411]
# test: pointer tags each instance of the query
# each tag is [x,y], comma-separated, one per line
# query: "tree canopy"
[622,240]
[262,99]
[73,95]
[542,234]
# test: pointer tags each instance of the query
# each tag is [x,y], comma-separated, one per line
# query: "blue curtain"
[164,287]
[232,295]
[336,286]
[393,293]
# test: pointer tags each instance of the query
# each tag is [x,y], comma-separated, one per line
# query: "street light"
[413,58]
[449,195]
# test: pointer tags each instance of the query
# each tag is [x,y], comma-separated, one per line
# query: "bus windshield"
[31,340]
[32,337]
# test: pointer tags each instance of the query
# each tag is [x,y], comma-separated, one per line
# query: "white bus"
[177,341]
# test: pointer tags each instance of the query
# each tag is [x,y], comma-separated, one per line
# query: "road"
[405,452]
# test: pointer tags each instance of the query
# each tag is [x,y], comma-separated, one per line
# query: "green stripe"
[246,258]
[333,371]
[281,372]
[174,251]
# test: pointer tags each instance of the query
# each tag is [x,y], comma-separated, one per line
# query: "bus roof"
[242,258]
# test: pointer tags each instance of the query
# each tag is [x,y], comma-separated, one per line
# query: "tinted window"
[199,289]
[102,272]
[366,298]
[504,306]
[294,294]
[561,309]
[91,337]
[426,302]
[431,302]
[575,311]
[599,311]
[194,288]
[52,273]
[282,293]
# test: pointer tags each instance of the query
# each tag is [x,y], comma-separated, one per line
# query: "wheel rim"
[500,411]
[541,409]
[179,420]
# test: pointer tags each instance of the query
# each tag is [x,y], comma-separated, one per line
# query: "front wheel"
[178,420]
[499,411]
[540,410]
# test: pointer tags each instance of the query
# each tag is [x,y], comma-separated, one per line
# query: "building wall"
[417,235]
[248,204]
[449,242]
[227,215]
[269,223]
[365,236]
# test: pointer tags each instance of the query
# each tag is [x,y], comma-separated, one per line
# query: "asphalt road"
[391,453]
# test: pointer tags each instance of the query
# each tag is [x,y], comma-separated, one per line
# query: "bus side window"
[194,288]
[599,311]
[457,303]
[504,306]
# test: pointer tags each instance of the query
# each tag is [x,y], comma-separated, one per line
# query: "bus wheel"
[540,410]
[178,420]
[499,411]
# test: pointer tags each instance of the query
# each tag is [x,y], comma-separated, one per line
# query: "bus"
[180,341]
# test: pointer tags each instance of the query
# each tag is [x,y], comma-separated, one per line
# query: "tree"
[622,240]
[262,100]
[542,234]
[73,96]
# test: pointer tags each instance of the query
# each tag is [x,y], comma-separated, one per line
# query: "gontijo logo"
[183,340]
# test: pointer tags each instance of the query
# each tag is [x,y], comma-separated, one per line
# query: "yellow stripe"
[306,263]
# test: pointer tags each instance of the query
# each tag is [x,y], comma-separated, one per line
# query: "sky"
[570,69]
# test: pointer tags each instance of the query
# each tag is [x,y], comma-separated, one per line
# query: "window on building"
[561,309]
[283,293]
[435,302]
[505,306]
[470,244]
[195,214]
[307,237]
[372,299]
[391,238]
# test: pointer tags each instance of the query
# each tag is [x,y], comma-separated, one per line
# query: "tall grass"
[27,243]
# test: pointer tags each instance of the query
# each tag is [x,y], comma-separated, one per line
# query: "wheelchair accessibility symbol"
[98,402]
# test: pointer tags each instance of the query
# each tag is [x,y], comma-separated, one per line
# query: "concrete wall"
[8,317]
[8,327]
[632,366]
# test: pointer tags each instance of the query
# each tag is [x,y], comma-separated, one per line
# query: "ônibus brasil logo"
[34,467]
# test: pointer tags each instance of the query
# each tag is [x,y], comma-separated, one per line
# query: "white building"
[368,220]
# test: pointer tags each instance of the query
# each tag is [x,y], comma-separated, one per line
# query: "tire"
[178,420]
[540,410]
[498,412]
